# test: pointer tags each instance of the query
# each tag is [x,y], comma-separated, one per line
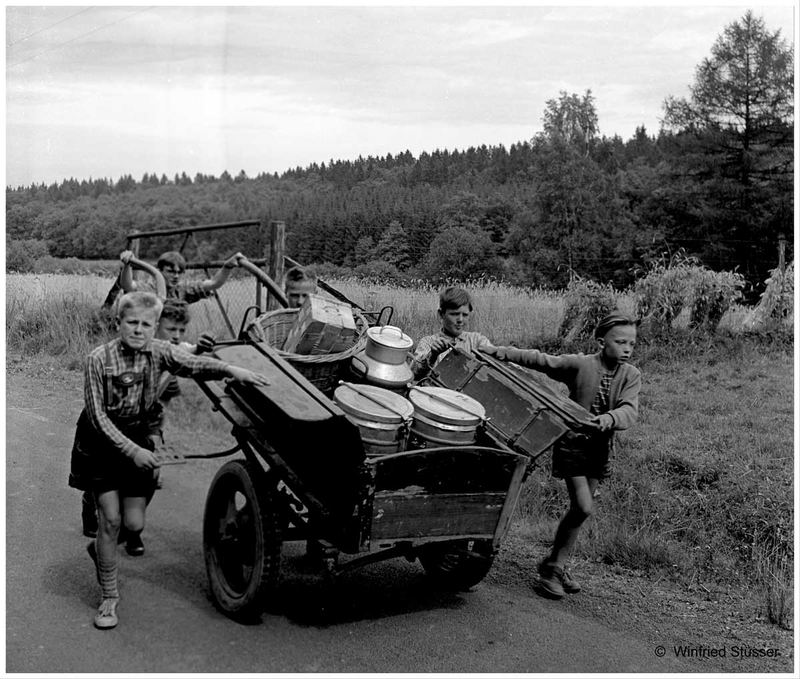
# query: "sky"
[105,91]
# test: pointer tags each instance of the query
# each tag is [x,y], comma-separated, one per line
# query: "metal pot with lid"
[388,344]
[383,361]
[382,416]
[445,416]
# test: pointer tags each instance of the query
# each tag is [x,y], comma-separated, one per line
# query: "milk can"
[445,417]
[383,360]
[381,415]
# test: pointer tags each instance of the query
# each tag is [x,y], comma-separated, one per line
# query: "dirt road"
[383,618]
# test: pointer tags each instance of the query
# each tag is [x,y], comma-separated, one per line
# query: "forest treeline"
[716,181]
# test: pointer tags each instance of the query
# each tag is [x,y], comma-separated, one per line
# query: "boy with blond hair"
[112,455]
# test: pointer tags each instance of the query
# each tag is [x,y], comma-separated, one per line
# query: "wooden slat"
[284,390]
[398,515]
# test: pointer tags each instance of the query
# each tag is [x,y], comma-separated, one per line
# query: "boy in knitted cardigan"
[606,385]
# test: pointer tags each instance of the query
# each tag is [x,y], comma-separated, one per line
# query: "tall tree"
[735,134]
[571,119]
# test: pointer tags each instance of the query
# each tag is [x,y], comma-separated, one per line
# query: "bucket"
[444,417]
[382,416]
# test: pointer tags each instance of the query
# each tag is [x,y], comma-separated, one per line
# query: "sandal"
[106,617]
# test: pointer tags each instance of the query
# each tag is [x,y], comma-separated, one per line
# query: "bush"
[713,293]
[378,271]
[21,255]
[776,306]
[585,303]
[679,282]
[661,293]
[65,265]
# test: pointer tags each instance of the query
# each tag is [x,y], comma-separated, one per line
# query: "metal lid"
[390,336]
[372,403]
[446,405]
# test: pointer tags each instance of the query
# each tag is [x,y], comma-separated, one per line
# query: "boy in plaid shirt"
[607,385]
[172,326]
[112,455]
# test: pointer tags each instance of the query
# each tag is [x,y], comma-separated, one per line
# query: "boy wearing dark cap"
[606,385]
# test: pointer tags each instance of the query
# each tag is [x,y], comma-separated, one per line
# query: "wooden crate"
[322,326]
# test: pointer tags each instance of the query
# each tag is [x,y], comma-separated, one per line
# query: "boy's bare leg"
[110,520]
[133,513]
[581,493]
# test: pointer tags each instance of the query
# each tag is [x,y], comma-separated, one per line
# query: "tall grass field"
[702,486]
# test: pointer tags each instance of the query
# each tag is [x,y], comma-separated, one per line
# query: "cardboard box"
[322,326]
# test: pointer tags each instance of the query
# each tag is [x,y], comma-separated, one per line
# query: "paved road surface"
[382,618]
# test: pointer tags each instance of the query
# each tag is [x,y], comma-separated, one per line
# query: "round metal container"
[444,416]
[380,374]
[382,416]
[388,344]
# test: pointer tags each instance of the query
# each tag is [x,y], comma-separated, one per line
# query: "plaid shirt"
[421,359]
[168,387]
[600,402]
[138,398]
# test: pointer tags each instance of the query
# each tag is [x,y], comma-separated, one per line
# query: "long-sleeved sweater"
[582,373]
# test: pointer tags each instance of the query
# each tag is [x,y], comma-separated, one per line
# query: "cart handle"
[161,285]
[264,279]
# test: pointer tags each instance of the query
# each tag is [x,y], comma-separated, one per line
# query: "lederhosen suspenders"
[127,379]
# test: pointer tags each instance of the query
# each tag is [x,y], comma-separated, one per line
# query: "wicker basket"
[323,370]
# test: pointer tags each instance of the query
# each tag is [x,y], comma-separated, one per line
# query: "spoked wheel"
[241,539]
[457,565]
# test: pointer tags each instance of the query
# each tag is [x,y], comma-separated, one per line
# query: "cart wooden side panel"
[445,493]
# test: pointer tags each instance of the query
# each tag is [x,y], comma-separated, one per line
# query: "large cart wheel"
[459,565]
[241,539]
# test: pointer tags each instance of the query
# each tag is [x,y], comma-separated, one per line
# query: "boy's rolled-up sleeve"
[420,360]
[180,362]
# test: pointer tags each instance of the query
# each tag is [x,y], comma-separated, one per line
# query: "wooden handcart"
[305,476]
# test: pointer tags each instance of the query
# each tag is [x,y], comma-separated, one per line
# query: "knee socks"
[107,572]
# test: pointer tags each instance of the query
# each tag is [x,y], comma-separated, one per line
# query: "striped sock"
[107,573]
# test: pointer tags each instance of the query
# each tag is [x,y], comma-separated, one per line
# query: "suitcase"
[523,413]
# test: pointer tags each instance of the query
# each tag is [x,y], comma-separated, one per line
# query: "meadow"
[702,490]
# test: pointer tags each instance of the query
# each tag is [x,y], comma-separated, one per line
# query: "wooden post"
[261,242]
[782,252]
[277,249]
[133,244]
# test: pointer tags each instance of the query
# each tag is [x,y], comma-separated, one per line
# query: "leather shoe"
[134,545]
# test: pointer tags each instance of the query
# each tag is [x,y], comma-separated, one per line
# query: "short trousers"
[96,466]
[582,455]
